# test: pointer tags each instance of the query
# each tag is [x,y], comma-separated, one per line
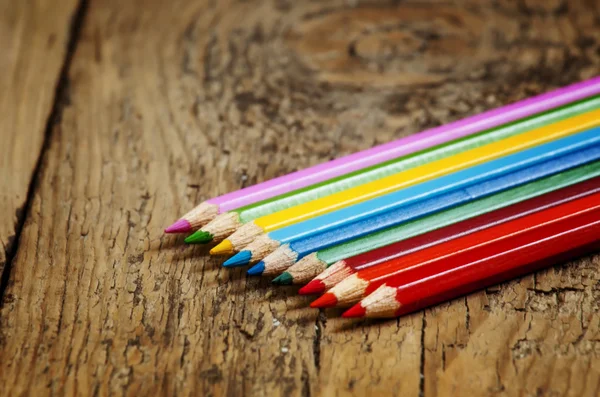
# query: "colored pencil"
[511,257]
[327,277]
[315,229]
[457,214]
[228,222]
[446,218]
[209,209]
[310,265]
[477,245]
[288,254]
[295,220]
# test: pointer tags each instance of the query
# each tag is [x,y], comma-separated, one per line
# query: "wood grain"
[33,40]
[174,102]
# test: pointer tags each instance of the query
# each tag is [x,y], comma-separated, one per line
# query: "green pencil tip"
[283,279]
[199,237]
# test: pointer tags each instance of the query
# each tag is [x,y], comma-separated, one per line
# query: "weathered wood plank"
[33,40]
[516,339]
[174,102]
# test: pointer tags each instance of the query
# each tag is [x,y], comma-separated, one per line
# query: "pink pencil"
[209,209]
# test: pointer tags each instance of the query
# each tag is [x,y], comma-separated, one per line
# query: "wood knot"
[400,45]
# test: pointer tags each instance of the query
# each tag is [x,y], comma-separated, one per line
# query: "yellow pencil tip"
[223,248]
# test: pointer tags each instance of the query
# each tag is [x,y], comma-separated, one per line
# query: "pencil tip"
[355,311]
[326,300]
[223,248]
[283,279]
[199,237]
[242,258]
[257,269]
[313,287]
[181,226]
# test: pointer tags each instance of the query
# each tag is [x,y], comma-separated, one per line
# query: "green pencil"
[227,223]
[313,264]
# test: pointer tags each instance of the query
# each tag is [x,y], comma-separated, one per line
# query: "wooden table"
[118,116]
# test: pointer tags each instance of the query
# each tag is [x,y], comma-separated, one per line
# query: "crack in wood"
[61,100]
[422,360]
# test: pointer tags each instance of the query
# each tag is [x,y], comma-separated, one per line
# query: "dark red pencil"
[429,261]
[344,268]
[516,255]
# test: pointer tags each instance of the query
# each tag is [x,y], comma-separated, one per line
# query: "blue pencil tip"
[240,259]
[257,269]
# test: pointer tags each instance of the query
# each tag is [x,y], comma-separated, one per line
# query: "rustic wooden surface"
[33,41]
[165,104]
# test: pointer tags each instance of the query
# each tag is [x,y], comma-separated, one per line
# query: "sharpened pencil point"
[242,258]
[283,279]
[257,269]
[199,237]
[314,287]
[223,248]
[181,226]
[355,311]
[327,300]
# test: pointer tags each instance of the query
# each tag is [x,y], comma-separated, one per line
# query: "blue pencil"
[288,254]
[267,243]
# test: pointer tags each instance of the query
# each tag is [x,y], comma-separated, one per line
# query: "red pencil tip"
[355,311]
[314,287]
[327,300]
[181,226]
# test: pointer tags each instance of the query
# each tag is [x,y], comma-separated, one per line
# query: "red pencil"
[430,260]
[344,268]
[512,257]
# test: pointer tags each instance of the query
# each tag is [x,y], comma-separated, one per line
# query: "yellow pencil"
[247,233]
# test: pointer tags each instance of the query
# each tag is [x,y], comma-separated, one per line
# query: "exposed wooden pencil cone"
[334,274]
[349,291]
[306,268]
[261,247]
[279,261]
[222,226]
[244,235]
[381,303]
[201,215]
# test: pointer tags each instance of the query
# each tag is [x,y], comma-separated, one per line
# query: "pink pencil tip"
[355,311]
[181,226]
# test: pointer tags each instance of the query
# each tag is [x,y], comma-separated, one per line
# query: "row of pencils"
[426,218]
